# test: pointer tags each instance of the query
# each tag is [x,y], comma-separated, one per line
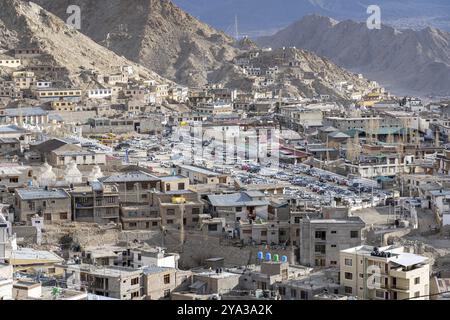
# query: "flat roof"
[130,177]
[33,255]
[235,199]
[199,170]
[39,194]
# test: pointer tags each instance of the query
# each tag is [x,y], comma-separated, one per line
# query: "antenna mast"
[236,27]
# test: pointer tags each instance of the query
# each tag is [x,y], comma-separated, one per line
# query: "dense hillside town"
[266,174]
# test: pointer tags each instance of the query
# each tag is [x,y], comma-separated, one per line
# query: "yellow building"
[23,79]
[386,273]
[28,260]
[63,106]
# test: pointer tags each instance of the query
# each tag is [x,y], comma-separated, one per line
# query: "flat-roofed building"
[95,202]
[133,186]
[387,273]
[321,240]
[109,281]
[10,62]
[51,204]
[199,175]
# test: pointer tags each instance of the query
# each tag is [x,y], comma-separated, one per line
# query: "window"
[154,223]
[417,280]
[354,234]
[181,186]
[195,210]
[135,294]
[293,293]
[348,262]
[263,233]
[348,276]
[167,293]
[166,278]
[320,248]
[333,246]
[322,235]
[238,209]
[170,212]
[333,263]
[348,290]
[134,281]
[417,294]
[303,295]
[333,231]
[63,216]
[169,221]
[212,227]
[282,291]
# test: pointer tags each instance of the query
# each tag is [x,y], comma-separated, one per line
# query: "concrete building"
[198,175]
[10,62]
[95,202]
[31,115]
[177,208]
[214,282]
[308,286]
[153,257]
[110,281]
[159,282]
[133,186]
[247,205]
[52,204]
[321,240]
[386,273]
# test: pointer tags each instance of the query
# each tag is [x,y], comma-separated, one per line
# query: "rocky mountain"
[25,24]
[154,33]
[405,61]
[293,71]
[262,17]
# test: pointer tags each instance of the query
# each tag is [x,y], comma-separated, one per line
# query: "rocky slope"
[24,24]
[299,73]
[154,33]
[406,61]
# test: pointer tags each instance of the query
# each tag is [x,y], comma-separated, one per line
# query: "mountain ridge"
[397,59]
[154,33]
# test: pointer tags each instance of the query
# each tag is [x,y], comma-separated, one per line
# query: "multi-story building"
[109,281]
[321,240]
[177,208]
[10,62]
[31,115]
[55,94]
[133,186]
[198,175]
[386,273]
[95,202]
[52,204]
